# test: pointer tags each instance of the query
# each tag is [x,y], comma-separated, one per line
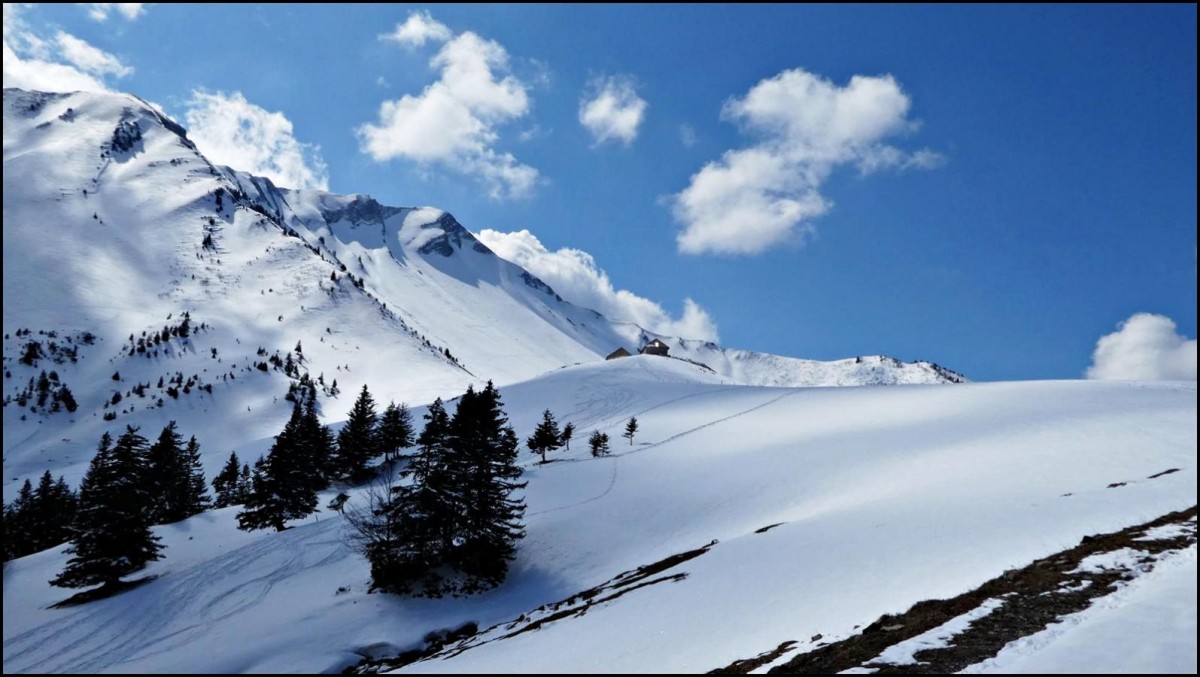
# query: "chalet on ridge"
[619,352]
[655,347]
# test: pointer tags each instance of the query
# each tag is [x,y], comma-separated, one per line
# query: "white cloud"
[88,58]
[687,135]
[417,30]
[805,126]
[62,64]
[574,275]
[99,11]
[231,131]
[612,110]
[1146,347]
[453,122]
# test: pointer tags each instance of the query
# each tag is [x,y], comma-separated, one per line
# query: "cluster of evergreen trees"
[453,528]
[306,459]
[39,518]
[130,485]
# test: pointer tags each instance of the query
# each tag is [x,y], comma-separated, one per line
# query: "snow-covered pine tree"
[630,429]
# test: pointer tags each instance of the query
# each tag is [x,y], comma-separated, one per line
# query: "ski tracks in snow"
[105,634]
[615,458]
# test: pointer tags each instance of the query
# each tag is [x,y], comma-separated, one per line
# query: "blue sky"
[991,188]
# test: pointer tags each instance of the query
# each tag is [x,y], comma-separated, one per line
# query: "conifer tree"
[485,446]
[395,430]
[358,441]
[192,491]
[568,432]
[318,448]
[20,532]
[598,443]
[163,471]
[226,483]
[630,429]
[283,485]
[546,437]
[244,485]
[424,513]
[53,512]
[112,536]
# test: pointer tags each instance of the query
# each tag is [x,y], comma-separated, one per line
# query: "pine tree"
[630,429]
[358,440]
[395,430]
[418,520]
[163,472]
[546,437]
[599,443]
[226,483]
[53,511]
[485,447]
[284,484]
[21,533]
[245,485]
[568,431]
[193,492]
[112,536]
[318,448]
[68,399]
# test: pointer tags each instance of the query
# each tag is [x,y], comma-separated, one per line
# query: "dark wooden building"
[655,347]
[619,352]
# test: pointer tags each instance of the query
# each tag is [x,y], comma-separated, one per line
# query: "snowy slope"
[880,496]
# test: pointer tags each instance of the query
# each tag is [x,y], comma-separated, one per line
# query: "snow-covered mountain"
[117,229]
[153,286]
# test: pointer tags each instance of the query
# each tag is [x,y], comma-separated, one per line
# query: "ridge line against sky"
[762,173]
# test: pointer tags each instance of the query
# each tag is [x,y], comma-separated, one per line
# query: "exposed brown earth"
[1033,597]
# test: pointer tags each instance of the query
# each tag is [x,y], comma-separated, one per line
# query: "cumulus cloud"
[576,277]
[612,110]
[231,131]
[88,58]
[99,11]
[1146,347]
[420,28]
[804,127]
[62,63]
[453,122]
